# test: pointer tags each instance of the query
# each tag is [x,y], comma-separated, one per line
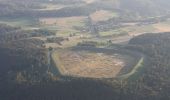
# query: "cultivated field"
[65,25]
[137,30]
[66,22]
[48,7]
[89,1]
[102,15]
[114,33]
[163,27]
[88,64]
[152,28]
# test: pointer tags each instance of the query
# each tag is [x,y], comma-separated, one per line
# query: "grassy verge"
[135,70]
[58,63]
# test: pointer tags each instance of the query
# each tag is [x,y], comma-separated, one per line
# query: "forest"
[63,49]
[153,83]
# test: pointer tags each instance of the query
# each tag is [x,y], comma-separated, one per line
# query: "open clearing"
[89,64]
[65,25]
[89,1]
[162,27]
[137,30]
[113,33]
[48,7]
[102,15]
[66,22]
[20,22]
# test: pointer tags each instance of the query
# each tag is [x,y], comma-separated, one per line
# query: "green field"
[116,32]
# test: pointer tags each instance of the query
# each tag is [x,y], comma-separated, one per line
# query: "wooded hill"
[126,8]
[23,66]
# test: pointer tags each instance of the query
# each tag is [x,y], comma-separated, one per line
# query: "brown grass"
[49,7]
[85,64]
[101,15]
[89,1]
[66,22]
[162,27]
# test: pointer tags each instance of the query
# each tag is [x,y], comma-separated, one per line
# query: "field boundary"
[134,70]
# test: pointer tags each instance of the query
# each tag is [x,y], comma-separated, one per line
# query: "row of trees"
[9,33]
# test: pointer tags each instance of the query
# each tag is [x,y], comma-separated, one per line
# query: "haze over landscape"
[84,50]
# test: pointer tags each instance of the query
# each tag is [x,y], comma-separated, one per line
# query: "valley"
[84,50]
[100,28]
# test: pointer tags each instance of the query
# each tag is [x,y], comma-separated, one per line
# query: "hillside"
[145,7]
[126,8]
[84,50]
[151,82]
